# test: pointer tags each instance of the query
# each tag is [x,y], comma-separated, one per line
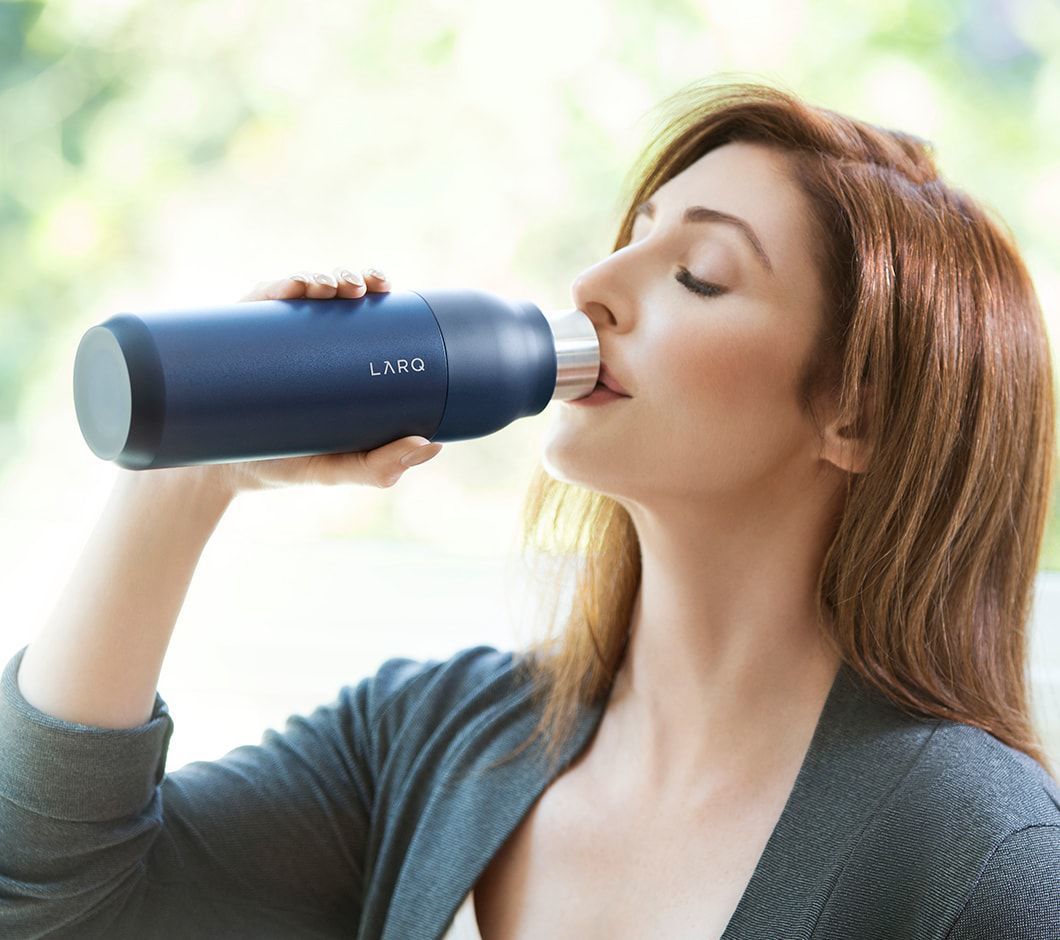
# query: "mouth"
[608,381]
[600,395]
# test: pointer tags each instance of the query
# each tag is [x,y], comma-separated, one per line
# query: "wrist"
[194,488]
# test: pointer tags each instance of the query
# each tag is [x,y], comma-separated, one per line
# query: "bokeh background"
[158,155]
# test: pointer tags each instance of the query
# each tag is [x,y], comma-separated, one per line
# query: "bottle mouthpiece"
[577,354]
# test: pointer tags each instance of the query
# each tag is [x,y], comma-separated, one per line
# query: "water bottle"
[284,378]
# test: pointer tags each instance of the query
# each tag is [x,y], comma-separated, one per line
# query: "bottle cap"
[577,354]
[102,392]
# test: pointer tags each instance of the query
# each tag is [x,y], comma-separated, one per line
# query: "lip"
[607,379]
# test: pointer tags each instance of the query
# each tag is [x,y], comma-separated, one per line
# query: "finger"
[378,467]
[285,288]
[321,286]
[413,452]
[294,285]
[383,464]
[257,292]
[375,279]
[351,284]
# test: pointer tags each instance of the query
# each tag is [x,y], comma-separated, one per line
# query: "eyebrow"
[705,214]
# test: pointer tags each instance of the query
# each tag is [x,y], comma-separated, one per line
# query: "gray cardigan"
[364,819]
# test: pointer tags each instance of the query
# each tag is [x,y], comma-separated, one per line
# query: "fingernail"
[327,280]
[297,277]
[375,272]
[419,455]
[350,278]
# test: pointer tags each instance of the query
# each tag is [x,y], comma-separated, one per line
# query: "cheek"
[721,367]
[728,380]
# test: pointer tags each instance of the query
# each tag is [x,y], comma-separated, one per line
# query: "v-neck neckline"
[468,818]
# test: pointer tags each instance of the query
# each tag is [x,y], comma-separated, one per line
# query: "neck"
[726,671]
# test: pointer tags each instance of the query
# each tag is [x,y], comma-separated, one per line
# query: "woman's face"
[713,379]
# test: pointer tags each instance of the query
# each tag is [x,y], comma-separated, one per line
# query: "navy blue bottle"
[284,378]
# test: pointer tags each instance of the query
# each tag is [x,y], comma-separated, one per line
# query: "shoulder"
[972,773]
[407,699]
[963,840]
[938,772]
[402,682]
[1017,894]
[988,817]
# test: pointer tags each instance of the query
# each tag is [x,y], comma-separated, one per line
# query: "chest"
[582,866]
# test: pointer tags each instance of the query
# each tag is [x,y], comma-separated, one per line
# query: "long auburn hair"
[934,345]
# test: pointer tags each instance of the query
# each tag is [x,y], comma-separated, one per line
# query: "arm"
[1017,896]
[98,658]
[95,839]
[270,841]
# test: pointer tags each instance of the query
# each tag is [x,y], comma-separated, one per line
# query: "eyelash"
[697,286]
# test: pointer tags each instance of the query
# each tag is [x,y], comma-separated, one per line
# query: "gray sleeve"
[96,840]
[1017,896]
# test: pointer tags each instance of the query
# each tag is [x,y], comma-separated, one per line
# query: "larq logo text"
[403,365]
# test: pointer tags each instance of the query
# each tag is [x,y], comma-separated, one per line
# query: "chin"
[574,458]
[554,468]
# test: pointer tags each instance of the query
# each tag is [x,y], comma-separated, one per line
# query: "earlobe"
[844,450]
[848,446]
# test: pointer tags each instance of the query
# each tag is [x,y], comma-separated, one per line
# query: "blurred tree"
[117,119]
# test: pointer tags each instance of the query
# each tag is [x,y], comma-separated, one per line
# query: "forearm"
[98,658]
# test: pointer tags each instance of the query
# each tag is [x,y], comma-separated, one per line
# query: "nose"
[606,293]
[607,290]
[591,292]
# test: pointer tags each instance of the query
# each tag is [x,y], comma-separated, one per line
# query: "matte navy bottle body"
[276,378]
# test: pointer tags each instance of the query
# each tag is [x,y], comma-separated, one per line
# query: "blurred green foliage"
[161,153]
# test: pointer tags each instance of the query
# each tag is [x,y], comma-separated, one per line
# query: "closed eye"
[696,286]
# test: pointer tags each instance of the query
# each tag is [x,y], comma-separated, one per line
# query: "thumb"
[392,460]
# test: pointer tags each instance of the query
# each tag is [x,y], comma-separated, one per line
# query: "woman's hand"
[380,467]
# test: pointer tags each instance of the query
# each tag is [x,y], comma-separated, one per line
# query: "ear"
[845,445]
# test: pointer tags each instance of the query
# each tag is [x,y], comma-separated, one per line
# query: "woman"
[789,699]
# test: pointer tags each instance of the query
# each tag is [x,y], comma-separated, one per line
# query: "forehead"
[751,181]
